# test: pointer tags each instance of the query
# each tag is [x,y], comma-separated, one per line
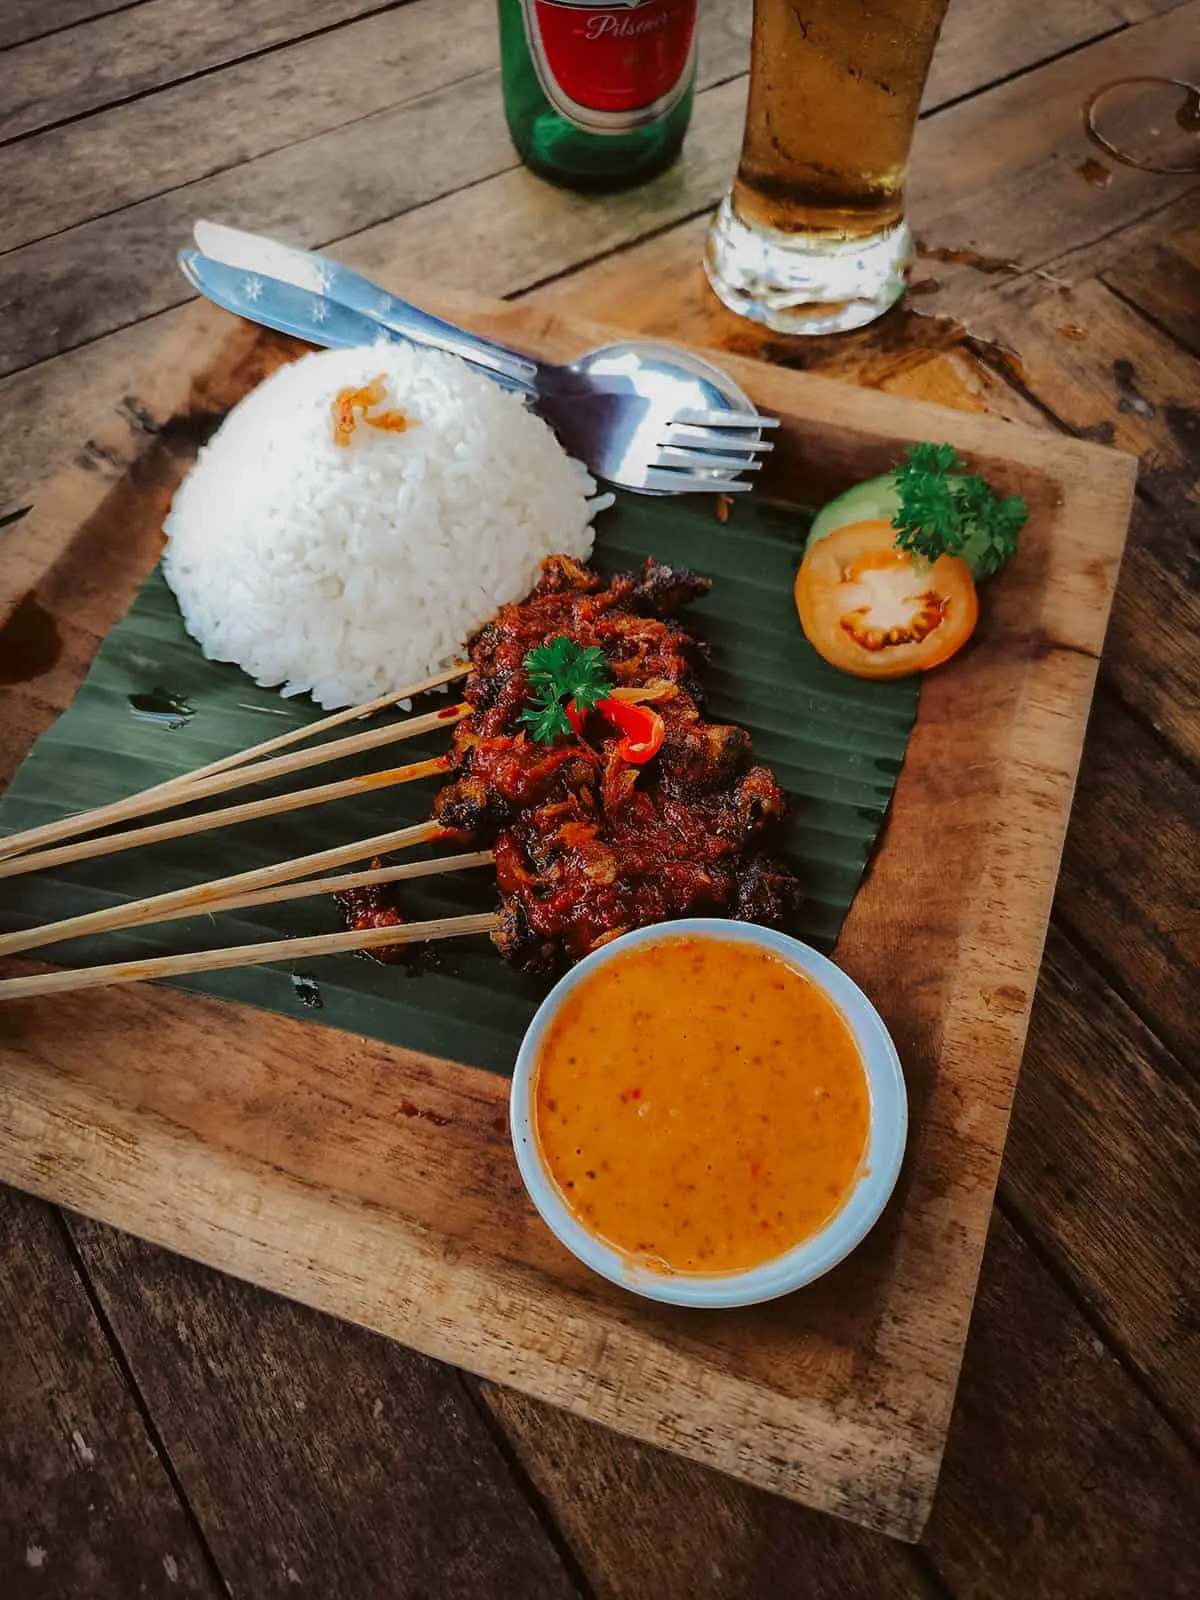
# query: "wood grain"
[974,166]
[1162,279]
[1133,796]
[125,264]
[66,175]
[130,51]
[618,1505]
[414,1498]
[1106,373]
[30,19]
[999,1526]
[1156,669]
[451,137]
[59,400]
[877,1345]
[86,1506]
[1060,1479]
[1100,1163]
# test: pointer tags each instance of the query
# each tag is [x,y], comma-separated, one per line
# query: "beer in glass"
[812,238]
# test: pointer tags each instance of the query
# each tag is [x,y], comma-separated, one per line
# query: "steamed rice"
[347,572]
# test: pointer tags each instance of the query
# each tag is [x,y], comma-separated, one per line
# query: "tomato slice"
[869,610]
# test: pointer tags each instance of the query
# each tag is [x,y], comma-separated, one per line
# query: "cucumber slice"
[874,500]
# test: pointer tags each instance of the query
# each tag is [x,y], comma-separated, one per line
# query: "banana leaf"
[152,707]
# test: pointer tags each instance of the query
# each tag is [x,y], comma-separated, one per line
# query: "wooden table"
[167,1430]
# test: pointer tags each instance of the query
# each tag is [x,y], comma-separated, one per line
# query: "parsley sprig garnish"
[559,672]
[944,512]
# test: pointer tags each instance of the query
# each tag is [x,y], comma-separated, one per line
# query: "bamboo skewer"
[245,955]
[19,844]
[118,917]
[295,735]
[339,883]
[251,811]
[181,902]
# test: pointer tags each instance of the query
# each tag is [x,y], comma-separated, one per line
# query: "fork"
[623,413]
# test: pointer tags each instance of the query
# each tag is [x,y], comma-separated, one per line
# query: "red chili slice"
[641,725]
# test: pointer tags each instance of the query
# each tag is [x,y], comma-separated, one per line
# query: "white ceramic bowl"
[806,1261]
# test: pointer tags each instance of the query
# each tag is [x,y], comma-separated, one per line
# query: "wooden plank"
[115,270]
[86,1506]
[30,19]
[204,125]
[642,1522]
[1162,278]
[258,1402]
[837,1397]
[1009,1519]
[1107,374]
[1132,1295]
[1128,881]
[58,401]
[129,52]
[1152,658]
[523,230]
[1101,1165]
[1059,1477]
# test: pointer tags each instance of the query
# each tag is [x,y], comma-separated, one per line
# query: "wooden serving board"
[379,1185]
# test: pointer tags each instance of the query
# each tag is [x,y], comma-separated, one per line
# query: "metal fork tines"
[669,480]
[683,435]
[710,451]
[705,460]
[723,419]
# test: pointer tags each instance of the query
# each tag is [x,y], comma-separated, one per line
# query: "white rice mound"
[349,572]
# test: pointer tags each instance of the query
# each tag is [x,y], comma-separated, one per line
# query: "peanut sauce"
[701,1105]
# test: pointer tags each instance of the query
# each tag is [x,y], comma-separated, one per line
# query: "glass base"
[805,282]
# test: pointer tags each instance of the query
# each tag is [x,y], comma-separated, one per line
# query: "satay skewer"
[198,897]
[128,916]
[338,719]
[245,955]
[165,798]
[250,811]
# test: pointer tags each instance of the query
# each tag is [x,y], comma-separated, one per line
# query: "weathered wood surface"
[408,1476]
[21,20]
[86,1503]
[1098,1175]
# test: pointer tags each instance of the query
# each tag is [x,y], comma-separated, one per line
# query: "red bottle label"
[612,68]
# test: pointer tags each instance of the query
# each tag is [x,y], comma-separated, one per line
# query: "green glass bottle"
[598,96]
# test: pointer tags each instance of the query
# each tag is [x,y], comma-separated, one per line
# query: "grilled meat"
[374,906]
[588,845]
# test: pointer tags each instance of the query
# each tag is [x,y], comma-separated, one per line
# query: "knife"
[328,280]
[301,312]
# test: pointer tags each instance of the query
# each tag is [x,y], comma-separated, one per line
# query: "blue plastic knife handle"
[313,317]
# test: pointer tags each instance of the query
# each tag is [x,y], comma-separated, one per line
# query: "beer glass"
[812,238]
